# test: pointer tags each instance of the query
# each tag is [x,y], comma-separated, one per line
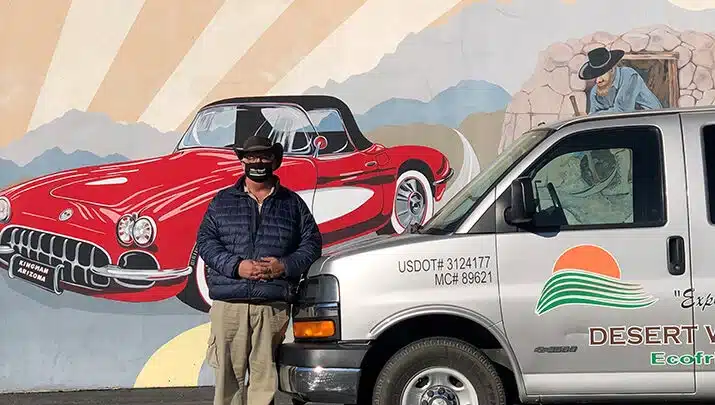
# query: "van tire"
[443,352]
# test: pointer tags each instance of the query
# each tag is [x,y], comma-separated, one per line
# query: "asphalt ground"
[146,396]
[167,396]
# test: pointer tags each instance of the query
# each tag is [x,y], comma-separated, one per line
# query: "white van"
[579,265]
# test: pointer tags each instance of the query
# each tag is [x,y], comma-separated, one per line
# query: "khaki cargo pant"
[245,337]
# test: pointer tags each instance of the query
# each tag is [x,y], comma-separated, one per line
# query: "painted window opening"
[617,81]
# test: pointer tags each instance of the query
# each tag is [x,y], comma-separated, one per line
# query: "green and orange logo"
[590,275]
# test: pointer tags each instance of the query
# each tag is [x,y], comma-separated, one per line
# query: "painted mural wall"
[105,172]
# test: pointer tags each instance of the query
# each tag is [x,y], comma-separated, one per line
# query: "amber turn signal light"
[313,329]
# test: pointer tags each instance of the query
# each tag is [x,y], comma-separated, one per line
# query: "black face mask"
[259,171]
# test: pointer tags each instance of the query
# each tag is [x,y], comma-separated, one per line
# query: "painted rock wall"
[545,96]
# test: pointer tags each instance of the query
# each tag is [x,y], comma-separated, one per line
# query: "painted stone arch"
[679,67]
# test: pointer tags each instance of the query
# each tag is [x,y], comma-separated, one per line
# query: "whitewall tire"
[413,201]
[196,292]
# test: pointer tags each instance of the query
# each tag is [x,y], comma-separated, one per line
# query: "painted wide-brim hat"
[600,61]
[261,144]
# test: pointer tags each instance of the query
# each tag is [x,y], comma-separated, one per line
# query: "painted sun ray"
[24,67]
[300,28]
[229,35]
[444,18]
[169,25]
[459,7]
[694,5]
[92,33]
[358,45]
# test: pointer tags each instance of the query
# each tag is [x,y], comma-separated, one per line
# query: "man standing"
[617,89]
[256,238]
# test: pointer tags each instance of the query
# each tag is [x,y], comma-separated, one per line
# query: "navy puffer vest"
[233,230]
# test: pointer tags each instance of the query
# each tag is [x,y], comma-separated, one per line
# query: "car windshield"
[224,126]
[458,208]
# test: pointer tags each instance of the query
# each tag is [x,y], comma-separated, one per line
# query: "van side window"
[709,157]
[600,179]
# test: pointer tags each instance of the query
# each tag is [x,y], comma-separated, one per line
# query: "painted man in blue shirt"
[617,89]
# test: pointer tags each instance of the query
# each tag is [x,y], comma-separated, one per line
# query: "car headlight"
[144,231]
[4,209]
[125,228]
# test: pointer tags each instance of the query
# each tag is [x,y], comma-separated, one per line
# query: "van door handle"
[676,255]
[371,163]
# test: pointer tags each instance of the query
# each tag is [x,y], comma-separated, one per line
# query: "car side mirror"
[320,142]
[523,205]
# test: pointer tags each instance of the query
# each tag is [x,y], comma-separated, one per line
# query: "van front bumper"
[321,372]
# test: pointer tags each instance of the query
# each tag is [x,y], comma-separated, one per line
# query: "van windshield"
[457,209]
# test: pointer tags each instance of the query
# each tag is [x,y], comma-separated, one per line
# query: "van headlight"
[4,209]
[316,314]
[144,231]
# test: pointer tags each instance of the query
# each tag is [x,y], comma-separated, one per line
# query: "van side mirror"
[523,205]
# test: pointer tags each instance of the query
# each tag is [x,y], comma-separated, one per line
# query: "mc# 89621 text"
[465,278]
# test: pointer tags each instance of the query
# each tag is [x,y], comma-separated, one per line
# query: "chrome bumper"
[112,271]
[332,385]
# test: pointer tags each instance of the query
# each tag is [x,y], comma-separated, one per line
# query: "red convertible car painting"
[127,231]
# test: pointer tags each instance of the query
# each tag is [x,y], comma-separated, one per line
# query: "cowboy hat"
[600,61]
[261,144]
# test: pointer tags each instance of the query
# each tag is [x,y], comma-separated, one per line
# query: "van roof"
[633,114]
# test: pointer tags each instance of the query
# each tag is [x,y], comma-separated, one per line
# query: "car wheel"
[413,201]
[439,370]
[196,292]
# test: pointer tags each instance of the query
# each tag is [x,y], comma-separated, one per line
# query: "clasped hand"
[264,269]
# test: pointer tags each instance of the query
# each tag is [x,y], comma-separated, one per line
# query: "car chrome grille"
[77,256]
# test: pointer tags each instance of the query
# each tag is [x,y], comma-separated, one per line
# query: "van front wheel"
[439,370]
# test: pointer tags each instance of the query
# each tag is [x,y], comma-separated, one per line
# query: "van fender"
[453,310]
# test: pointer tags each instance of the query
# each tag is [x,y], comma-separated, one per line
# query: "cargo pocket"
[279,321]
[212,352]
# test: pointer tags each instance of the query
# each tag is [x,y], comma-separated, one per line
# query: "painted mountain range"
[52,160]
[93,132]
[448,108]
